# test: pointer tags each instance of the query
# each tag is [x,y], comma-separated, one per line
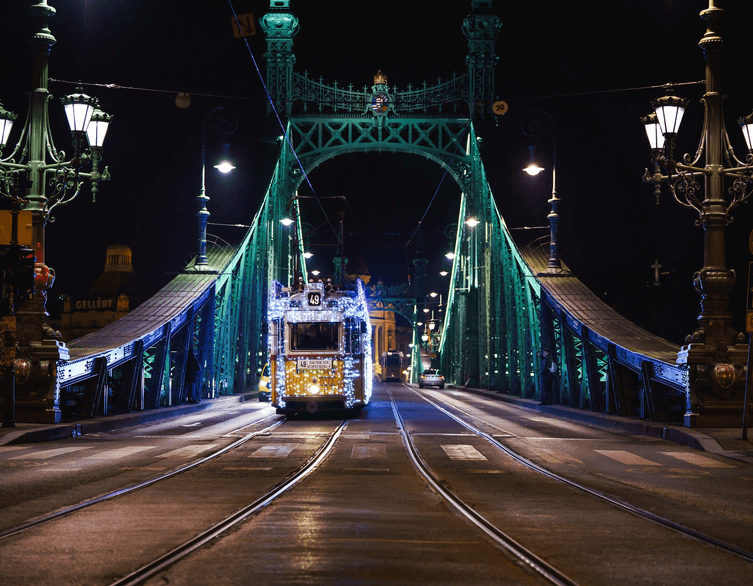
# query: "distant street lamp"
[34,179]
[715,354]
[532,126]
[225,122]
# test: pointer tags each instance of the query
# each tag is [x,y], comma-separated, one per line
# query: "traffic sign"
[244,26]
[499,107]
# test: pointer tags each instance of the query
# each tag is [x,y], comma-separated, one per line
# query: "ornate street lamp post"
[532,127]
[34,179]
[225,122]
[715,354]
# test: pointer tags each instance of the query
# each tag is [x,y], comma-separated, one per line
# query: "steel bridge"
[504,303]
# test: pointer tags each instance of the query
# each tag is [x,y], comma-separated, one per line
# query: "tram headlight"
[313,388]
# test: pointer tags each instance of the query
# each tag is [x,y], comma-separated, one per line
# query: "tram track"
[524,556]
[215,531]
[611,500]
[154,567]
[70,509]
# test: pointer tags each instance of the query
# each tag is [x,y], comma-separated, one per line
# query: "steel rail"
[161,563]
[15,530]
[680,528]
[526,558]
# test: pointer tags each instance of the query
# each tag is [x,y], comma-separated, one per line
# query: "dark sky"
[583,63]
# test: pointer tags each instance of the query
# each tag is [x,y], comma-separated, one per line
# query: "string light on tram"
[345,310]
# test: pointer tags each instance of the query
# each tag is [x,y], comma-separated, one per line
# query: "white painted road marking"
[188,451]
[276,451]
[369,451]
[45,455]
[462,452]
[626,458]
[698,460]
[118,453]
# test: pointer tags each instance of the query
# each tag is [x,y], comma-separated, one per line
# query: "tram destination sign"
[314,363]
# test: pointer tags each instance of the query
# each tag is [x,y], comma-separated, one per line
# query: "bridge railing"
[505,305]
[200,336]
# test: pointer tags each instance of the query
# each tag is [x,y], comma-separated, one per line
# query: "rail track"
[611,500]
[70,509]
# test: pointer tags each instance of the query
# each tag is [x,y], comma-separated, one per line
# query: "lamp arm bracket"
[742,168]
[684,188]
[733,160]
[58,198]
[694,162]
[60,166]
[12,165]
[690,169]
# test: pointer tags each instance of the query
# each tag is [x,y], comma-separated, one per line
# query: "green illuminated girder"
[492,331]
[472,91]
[492,327]
[442,140]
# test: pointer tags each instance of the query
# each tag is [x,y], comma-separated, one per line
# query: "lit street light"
[715,354]
[532,127]
[35,178]
[225,122]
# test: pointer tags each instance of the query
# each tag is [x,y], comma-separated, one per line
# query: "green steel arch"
[492,328]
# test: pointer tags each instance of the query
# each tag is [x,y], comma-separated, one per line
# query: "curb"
[674,433]
[56,431]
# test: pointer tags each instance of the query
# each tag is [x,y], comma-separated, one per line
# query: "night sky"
[591,66]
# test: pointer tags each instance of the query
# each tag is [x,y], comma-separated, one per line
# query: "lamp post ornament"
[715,354]
[35,178]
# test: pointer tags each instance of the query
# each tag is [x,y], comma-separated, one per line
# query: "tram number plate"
[314,363]
[315,299]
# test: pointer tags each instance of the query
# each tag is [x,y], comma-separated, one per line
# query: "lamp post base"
[715,389]
[37,390]
[717,414]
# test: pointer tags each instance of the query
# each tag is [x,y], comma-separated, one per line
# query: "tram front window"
[314,336]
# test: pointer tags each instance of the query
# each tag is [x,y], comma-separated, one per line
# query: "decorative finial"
[380,78]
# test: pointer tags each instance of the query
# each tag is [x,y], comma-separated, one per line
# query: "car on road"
[265,392]
[431,377]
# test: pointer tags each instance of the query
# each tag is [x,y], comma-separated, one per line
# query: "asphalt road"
[365,515]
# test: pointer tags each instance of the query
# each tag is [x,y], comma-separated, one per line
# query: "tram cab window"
[308,336]
[352,336]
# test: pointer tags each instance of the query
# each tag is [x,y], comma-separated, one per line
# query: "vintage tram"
[393,363]
[319,348]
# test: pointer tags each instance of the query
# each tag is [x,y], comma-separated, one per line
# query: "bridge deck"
[171,300]
[584,307]
[168,304]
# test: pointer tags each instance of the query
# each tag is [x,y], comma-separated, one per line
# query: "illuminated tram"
[393,362]
[319,348]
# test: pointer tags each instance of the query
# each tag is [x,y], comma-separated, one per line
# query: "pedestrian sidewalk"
[722,441]
[25,433]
